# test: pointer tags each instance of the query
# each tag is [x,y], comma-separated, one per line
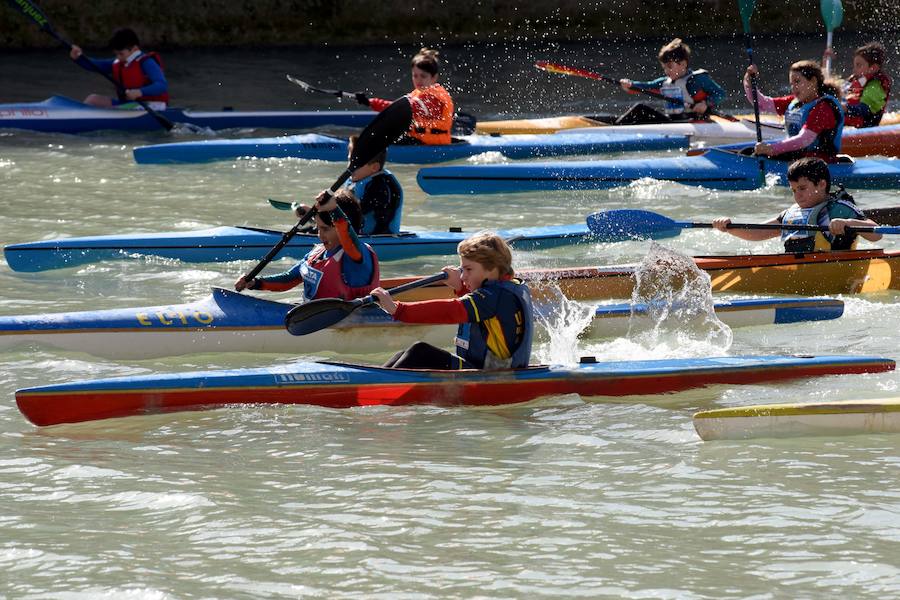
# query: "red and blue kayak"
[340,385]
[59,114]
[322,147]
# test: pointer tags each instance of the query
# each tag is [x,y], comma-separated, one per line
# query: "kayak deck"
[337,385]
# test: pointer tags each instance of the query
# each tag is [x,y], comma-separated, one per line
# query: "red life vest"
[854,93]
[432,109]
[323,278]
[131,76]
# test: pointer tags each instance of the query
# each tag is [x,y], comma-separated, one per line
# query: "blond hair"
[489,250]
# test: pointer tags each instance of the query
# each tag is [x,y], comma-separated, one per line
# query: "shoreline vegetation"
[224,23]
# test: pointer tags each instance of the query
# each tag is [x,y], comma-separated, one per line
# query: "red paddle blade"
[552,67]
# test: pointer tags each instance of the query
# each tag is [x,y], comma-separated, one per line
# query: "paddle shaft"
[788,227]
[40,19]
[746,7]
[311,88]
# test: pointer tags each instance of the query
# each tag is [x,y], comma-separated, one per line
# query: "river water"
[567,498]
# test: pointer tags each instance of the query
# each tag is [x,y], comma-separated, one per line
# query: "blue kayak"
[717,169]
[227,321]
[341,385]
[59,114]
[322,147]
[222,244]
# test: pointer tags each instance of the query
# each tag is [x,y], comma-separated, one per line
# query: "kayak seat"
[844,159]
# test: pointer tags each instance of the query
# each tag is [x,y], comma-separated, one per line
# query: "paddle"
[387,127]
[310,317]
[463,123]
[628,224]
[832,14]
[40,19]
[746,7]
[552,67]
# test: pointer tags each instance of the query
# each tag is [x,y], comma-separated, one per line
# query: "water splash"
[563,321]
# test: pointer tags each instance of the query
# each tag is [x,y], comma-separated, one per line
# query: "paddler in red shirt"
[493,310]
[432,105]
[813,117]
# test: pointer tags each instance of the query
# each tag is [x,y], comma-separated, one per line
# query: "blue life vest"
[471,338]
[828,142]
[369,221]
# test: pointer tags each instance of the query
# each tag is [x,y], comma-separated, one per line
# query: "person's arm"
[714,92]
[871,101]
[104,65]
[379,104]
[839,227]
[158,84]
[752,235]
[273,283]
[821,118]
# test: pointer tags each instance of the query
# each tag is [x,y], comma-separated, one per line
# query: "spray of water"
[563,321]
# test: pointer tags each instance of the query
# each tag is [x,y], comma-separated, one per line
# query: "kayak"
[883,140]
[846,417]
[226,321]
[341,385]
[717,169]
[222,244]
[714,129]
[59,114]
[322,147]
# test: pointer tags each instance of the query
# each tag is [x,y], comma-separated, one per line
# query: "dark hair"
[123,39]
[810,69]
[676,50]
[380,158]
[427,60]
[814,169]
[873,53]
[348,203]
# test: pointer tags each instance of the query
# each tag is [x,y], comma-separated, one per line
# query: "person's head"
[674,58]
[810,181]
[868,59]
[371,167]
[807,80]
[484,256]
[425,68]
[348,203]
[123,43]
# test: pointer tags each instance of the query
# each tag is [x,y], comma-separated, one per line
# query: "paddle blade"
[32,12]
[318,314]
[464,124]
[746,7]
[832,13]
[625,224]
[385,129]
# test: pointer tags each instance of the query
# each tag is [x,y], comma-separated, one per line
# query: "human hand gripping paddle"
[552,67]
[40,19]
[621,225]
[387,127]
[325,312]
[463,123]
[832,14]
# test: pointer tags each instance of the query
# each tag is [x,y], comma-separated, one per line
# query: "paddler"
[492,307]
[814,204]
[380,195]
[139,74]
[813,117]
[431,104]
[867,91]
[340,267]
[691,93]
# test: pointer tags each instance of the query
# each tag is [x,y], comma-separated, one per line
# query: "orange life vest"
[432,115]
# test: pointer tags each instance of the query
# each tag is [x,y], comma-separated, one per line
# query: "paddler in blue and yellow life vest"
[432,106]
[813,117]
[691,93]
[814,204]
[139,74]
[340,267]
[867,91]
[492,308]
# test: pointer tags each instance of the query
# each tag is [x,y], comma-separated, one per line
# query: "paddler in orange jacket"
[432,105]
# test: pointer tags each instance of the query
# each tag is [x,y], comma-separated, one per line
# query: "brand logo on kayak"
[312,377]
[11,113]
[176,318]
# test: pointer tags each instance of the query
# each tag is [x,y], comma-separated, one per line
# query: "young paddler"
[340,267]
[432,105]
[867,91]
[813,117]
[814,204]
[492,307]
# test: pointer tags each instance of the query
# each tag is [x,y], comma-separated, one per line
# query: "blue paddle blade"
[747,7]
[624,224]
[832,13]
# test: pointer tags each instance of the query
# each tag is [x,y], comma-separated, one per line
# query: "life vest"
[679,98]
[472,338]
[854,95]
[837,206]
[323,278]
[131,76]
[432,109]
[370,222]
[828,143]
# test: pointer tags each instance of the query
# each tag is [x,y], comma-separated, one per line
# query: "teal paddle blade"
[747,7]
[832,13]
